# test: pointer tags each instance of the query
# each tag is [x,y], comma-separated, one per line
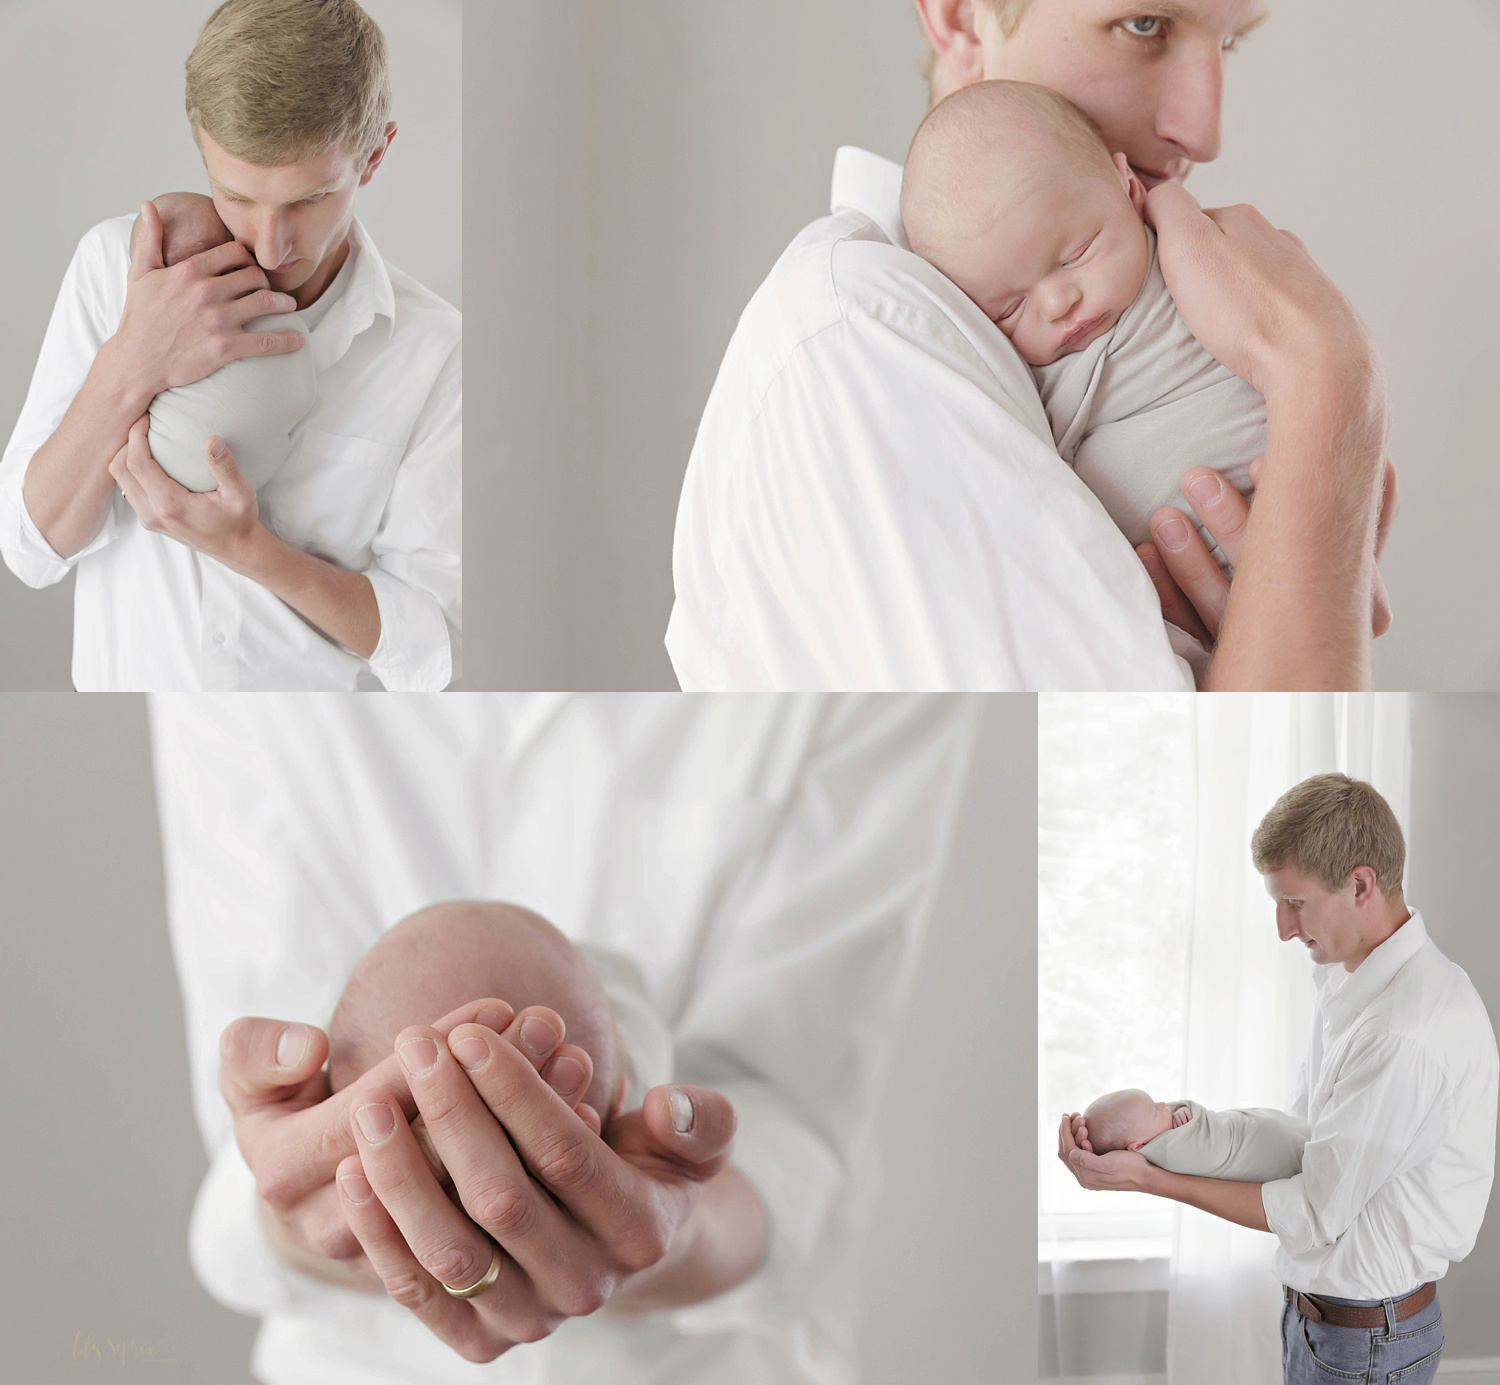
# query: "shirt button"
[219,638]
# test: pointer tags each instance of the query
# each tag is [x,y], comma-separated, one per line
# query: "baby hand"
[1181,1116]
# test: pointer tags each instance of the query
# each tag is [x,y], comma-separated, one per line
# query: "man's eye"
[1150,26]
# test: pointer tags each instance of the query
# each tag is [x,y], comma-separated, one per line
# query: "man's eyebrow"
[301,197]
[1187,14]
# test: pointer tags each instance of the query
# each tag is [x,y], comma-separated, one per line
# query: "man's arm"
[1236,1202]
[179,325]
[1298,613]
[225,524]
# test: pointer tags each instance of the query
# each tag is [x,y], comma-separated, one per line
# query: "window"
[1117,817]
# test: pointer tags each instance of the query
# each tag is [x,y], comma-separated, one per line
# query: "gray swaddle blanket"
[1254,1144]
[253,404]
[1135,409]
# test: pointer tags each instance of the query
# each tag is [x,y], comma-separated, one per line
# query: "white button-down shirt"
[1399,1087]
[766,862]
[372,484]
[874,499]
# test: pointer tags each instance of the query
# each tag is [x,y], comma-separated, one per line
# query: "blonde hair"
[1325,827]
[1009,13]
[275,82]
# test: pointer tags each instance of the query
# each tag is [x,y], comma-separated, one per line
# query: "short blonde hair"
[1325,827]
[278,81]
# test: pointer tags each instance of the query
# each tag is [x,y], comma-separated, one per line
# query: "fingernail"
[418,1056]
[491,1018]
[376,1121]
[217,448]
[473,1053]
[1173,533]
[356,1188]
[682,1109]
[565,1076]
[538,1036]
[291,1045]
[1205,490]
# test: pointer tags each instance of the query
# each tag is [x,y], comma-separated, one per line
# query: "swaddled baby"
[1010,191]
[1247,1145]
[253,403]
[441,957]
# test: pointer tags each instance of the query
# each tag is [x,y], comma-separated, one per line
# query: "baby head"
[189,226]
[1010,191]
[437,959]
[1126,1120]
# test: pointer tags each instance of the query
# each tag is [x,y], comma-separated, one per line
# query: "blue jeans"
[1399,1353]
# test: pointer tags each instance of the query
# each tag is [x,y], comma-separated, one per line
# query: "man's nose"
[1193,103]
[1286,925]
[273,242]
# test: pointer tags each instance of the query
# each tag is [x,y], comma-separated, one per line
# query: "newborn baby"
[1249,1145]
[435,960]
[253,403]
[1010,191]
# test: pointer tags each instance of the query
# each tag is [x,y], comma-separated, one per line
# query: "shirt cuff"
[797,1177]
[415,652]
[1289,1216]
[230,1254]
[26,550]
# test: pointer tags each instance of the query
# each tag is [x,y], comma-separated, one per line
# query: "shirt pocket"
[330,496]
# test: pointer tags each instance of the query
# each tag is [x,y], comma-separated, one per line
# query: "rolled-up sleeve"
[796,1015]
[83,319]
[1371,1126]
[417,571]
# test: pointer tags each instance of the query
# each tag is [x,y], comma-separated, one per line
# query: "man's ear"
[377,157]
[1364,885]
[1135,190]
[952,30]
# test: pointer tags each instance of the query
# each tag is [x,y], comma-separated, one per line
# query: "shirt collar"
[369,295]
[1376,972]
[871,185]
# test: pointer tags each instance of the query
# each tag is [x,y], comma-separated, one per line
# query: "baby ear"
[1135,1146]
[1134,189]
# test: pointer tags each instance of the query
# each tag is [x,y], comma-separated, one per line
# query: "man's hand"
[181,324]
[1118,1171]
[576,1219]
[1191,586]
[292,1132]
[1257,301]
[220,523]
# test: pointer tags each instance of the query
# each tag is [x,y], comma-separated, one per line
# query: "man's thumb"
[145,247]
[220,459]
[260,1058]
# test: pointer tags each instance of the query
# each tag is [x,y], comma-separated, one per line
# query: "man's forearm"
[340,603]
[1237,1202]
[721,1244]
[1299,608]
[68,487]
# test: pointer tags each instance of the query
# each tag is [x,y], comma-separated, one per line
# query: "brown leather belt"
[1342,1315]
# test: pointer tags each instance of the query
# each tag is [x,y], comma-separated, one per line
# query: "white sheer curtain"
[1250,996]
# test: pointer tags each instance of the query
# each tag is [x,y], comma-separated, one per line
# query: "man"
[767,864]
[874,499]
[343,571]
[1398,1088]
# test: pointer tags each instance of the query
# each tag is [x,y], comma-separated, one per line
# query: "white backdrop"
[91,96]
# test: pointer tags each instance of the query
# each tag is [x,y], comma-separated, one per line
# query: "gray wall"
[642,164]
[91,93]
[104,1144]
[1455,806]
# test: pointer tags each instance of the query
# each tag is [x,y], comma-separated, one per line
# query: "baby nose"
[1060,297]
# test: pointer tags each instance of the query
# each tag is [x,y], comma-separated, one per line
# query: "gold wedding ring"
[474,1290]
